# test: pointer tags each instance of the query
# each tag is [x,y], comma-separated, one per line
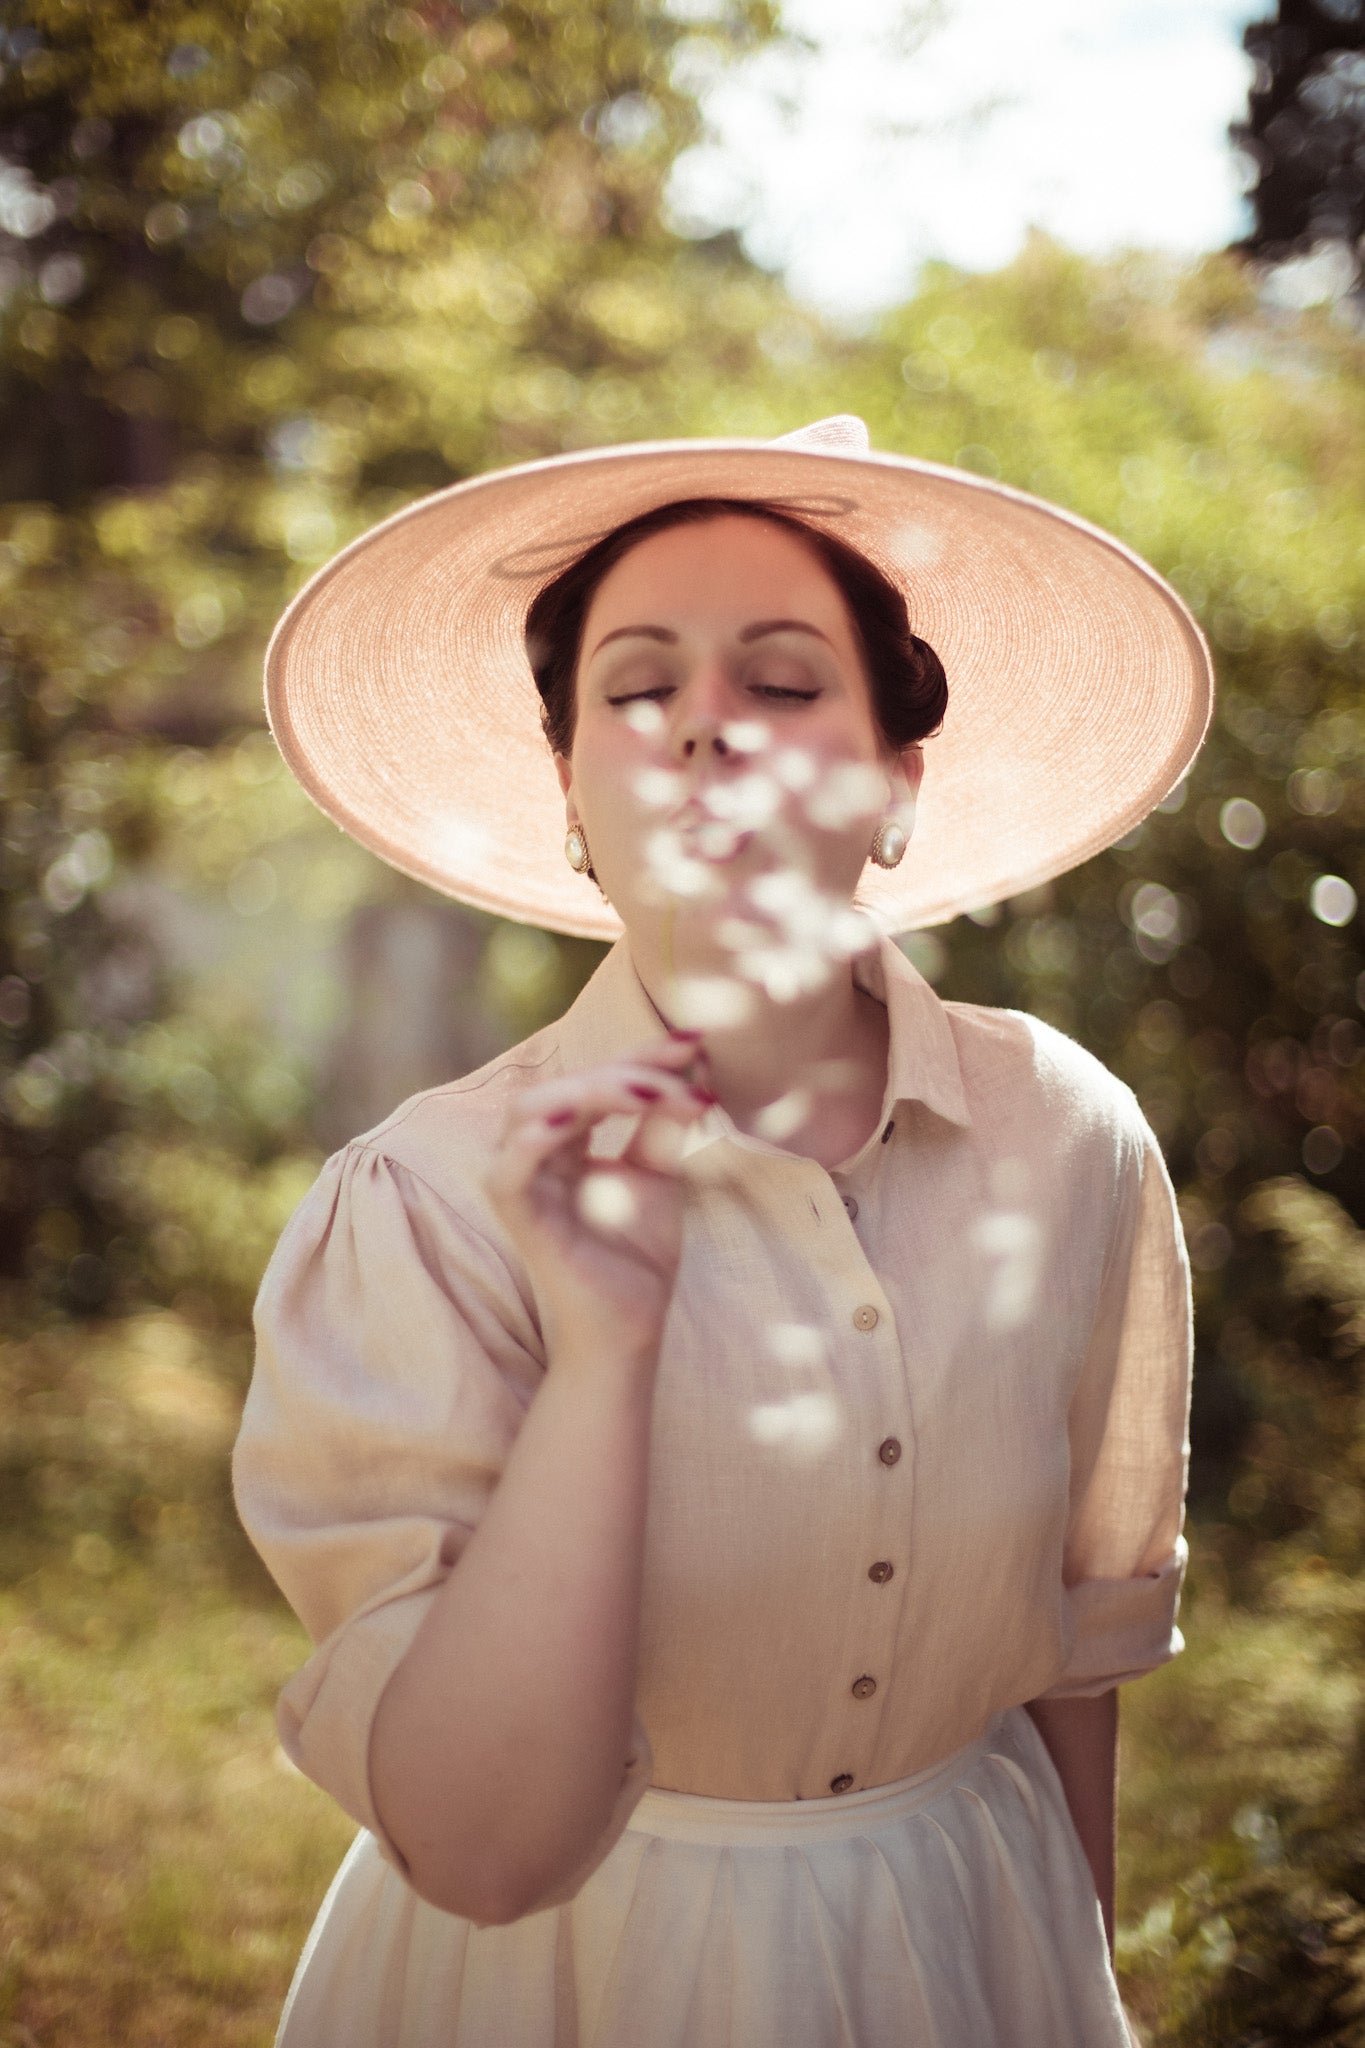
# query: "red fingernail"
[561,1116]
[645,1094]
[705,1095]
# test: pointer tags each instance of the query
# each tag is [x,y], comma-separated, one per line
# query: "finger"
[555,1137]
[680,1052]
[676,1061]
[678,1044]
[621,1089]
[657,1146]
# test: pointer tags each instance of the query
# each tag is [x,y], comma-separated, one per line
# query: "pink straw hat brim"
[399,692]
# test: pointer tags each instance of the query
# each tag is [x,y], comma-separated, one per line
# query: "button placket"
[876,1385]
[865,1686]
[888,1508]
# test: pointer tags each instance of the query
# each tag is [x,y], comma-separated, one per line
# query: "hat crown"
[844,433]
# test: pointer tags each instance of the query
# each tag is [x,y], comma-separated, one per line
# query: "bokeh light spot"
[1332,900]
[1242,823]
[1323,1149]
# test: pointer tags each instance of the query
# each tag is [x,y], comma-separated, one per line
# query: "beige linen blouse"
[919,1442]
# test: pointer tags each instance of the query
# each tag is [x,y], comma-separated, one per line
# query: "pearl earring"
[576,849]
[889,842]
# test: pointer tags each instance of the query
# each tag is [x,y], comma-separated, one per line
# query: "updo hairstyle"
[908,687]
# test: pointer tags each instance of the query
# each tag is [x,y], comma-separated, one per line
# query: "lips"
[703,829]
[711,839]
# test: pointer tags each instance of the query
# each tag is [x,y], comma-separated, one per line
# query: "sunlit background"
[267,274]
[893,133]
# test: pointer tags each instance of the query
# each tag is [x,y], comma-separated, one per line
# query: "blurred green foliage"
[266,273]
[1256,1932]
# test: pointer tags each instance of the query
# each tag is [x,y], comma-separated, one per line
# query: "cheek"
[607,783]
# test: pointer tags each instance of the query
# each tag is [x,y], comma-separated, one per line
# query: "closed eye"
[653,693]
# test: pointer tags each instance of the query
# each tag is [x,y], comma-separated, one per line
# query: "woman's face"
[727,767]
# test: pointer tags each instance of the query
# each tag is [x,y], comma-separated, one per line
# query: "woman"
[728,1450]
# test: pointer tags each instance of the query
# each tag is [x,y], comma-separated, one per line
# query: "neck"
[809,1074]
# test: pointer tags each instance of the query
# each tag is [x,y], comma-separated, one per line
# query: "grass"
[1222,1750]
[161,1861]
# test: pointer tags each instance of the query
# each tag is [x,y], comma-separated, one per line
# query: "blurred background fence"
[266,273]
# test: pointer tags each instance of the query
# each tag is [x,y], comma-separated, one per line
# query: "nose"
[704,709]
[698,743]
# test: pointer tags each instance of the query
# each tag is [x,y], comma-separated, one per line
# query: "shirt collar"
[614,1014]
[922,1065]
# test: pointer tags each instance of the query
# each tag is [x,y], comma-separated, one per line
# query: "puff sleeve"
[396,1356]
[1124,1557]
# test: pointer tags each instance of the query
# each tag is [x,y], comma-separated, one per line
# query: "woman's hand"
[600,1238]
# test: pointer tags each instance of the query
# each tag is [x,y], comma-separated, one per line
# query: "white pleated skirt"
[952,1909]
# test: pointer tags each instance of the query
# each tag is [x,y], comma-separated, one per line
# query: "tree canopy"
[1305,129]
[266,273]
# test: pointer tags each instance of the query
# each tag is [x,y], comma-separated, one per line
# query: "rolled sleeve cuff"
[1120,1629]
[327,1710]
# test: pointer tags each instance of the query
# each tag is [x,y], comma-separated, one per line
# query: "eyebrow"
[667,638]
[784,626]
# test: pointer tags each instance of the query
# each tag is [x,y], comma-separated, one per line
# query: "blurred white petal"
[780,1118]
[606,1200]
[805,1425]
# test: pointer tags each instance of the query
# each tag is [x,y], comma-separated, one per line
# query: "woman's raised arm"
[501,1740]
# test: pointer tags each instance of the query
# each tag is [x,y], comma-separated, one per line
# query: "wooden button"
[864,1687]
[880,1572]
[889,1450]
[850,1202]
[843,1783]
[866,1317]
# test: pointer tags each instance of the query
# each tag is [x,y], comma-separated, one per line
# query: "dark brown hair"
[908,687]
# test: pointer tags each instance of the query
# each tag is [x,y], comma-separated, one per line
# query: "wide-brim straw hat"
[400,694]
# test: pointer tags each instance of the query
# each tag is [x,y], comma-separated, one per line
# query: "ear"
[564,770]
[907,772]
